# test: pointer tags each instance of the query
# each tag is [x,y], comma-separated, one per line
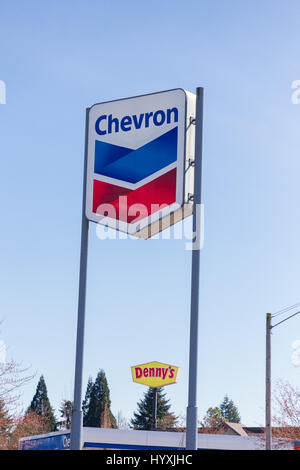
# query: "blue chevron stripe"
[133,166]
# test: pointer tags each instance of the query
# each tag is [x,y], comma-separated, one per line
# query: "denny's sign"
[155,374]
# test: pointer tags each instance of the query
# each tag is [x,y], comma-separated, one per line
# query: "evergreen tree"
[40,405]
[6,424]
[66,411]
[143,418]
[97,404]
[86,401]
[229,411]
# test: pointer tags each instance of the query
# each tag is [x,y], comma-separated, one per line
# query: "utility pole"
[268,383]
[270,327]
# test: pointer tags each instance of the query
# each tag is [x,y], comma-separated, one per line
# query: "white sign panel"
[137,159]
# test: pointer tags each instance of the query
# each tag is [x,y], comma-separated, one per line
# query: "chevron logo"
[154,160]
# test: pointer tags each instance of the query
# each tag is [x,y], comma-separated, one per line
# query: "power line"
[286,309]
[273,326]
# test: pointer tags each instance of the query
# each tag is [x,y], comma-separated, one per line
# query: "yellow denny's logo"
[155,374]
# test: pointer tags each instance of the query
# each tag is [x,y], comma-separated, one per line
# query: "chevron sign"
[136,162]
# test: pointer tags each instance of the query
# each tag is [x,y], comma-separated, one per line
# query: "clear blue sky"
[57,58]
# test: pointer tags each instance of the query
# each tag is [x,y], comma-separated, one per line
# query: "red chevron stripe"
[158,192]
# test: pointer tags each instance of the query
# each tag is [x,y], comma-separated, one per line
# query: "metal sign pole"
[154,389]
[191,425]
[76,428]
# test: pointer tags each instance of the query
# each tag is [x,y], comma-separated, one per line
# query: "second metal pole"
[192,411]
